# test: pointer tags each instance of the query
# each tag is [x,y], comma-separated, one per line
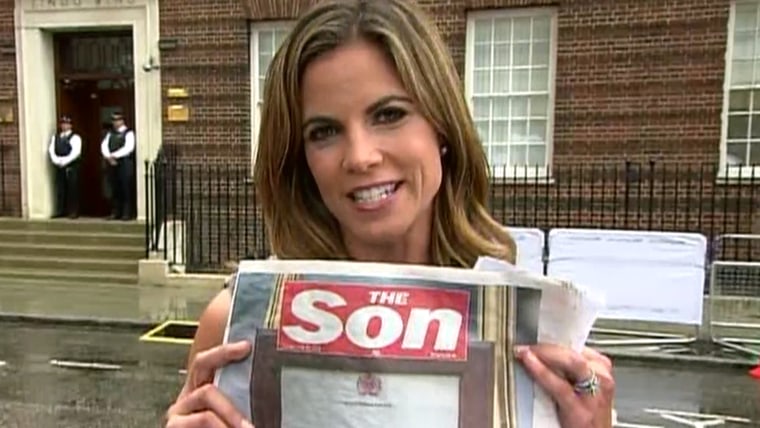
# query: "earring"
[444,150]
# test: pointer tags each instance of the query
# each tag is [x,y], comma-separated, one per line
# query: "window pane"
[736,153]
[522,29]
[757,72]
[741,72]
[519,107]
[519,130]
[280,36]
[521,54]
[738,126]
[264,60]
[500,131]
[755,126]
[744,45]
[501,54]
[262,82]
[540,54]
[520,80]
[538,106]
[501,81]
[739,101]
[537,131]
[540,80]
[482,126]
[482,56]
[517,154]
[265,42]
[483,30]
[502,30]
[754,153]
[482,82]
[481,108]
[755,100]
[537,155]
[746,16]
[499,154]
[500,107]
[541,28]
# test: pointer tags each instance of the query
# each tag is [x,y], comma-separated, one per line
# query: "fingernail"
[246,424]
[520,350]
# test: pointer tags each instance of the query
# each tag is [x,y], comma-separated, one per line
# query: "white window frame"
[499,172]
[255,28]
[724,171]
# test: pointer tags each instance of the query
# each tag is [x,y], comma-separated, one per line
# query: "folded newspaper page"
[349,345]
[566,315]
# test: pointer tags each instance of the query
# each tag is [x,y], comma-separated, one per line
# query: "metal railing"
[202,215]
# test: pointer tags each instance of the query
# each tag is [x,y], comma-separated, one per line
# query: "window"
[509,81]
[266,38]
[741,117]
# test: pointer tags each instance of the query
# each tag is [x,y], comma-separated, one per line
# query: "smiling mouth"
[375,193]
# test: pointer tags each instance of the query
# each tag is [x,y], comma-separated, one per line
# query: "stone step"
[109,266]
[16,275]
[66,225]
[72,237]
[73,251]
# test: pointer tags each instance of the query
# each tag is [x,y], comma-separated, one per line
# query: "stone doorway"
[94,77]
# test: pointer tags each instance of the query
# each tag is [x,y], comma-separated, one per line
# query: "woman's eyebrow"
[385,100]
[318,120]
[369,110]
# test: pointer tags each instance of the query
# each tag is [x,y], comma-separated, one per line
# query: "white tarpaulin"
[645,276]
[530,248]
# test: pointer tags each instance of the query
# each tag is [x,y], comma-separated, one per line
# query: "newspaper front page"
[349,345]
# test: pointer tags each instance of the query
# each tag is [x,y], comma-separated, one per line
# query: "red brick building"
[550,82]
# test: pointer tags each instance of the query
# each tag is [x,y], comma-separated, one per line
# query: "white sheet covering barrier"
[530,248]
[644,276]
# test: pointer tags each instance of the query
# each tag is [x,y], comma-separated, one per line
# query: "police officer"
[65,151]
[118,150]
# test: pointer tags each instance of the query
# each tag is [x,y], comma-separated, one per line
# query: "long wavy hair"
[297,221]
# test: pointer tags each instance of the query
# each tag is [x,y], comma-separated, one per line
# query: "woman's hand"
[559,370]
[200,404]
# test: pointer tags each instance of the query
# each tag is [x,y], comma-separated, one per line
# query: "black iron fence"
[203,215]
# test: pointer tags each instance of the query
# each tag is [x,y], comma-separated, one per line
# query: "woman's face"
[375,159]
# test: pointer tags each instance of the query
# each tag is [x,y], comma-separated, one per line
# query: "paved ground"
[36,393]
[105,301]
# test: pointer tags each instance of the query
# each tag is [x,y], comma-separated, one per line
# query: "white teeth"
[374,194]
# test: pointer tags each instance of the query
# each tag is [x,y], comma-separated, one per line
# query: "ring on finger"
[588,386]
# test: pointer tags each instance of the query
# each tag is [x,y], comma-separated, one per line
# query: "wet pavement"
[137,381]
[132,303]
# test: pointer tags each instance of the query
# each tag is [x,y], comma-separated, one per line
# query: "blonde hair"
[297,221]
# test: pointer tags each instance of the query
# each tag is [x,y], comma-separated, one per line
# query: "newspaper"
[348,344]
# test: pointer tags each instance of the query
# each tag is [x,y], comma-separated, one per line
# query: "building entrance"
[94,78]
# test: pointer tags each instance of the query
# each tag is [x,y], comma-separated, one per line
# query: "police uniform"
[118,150]
[65,150]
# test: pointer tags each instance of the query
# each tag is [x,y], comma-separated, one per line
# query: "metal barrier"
[734,309]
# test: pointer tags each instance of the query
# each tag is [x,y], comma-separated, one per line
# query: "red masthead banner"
[374,321]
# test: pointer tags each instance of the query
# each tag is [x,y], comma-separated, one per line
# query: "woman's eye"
[390,115]
[321,133]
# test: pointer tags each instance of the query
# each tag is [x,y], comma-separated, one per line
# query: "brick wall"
[640,79]
[211,61]
[635,78]
[10,184]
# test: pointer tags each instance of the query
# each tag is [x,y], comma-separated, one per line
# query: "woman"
[367,152]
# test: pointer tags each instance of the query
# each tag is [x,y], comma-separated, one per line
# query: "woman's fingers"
[564,362]
[207,362]
[196,420]
[556,386]
[208,399]
[594,355]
